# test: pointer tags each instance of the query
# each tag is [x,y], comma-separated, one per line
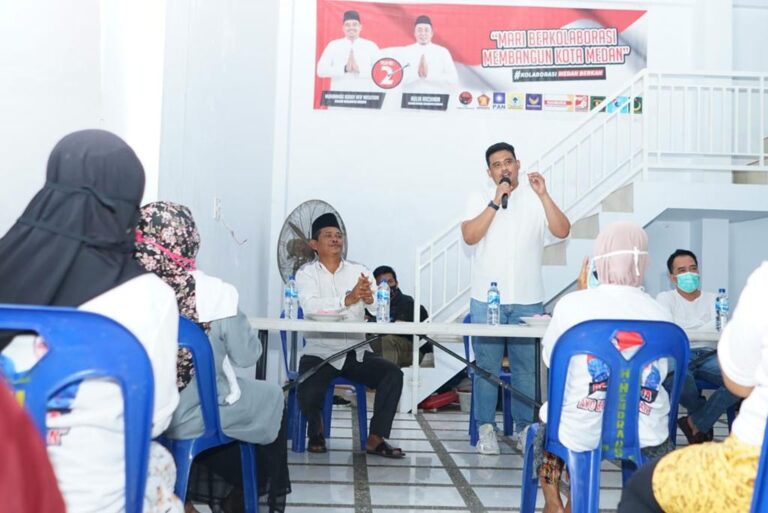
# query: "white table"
[429,329]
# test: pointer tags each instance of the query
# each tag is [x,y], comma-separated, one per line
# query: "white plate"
[327,317]
[536,321]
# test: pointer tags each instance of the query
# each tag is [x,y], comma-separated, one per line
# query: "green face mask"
[688,282]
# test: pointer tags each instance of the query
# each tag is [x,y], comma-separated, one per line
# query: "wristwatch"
[493,205]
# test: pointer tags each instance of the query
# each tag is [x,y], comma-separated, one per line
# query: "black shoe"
[340,401]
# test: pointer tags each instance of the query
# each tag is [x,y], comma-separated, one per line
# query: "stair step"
[621,200]
[555,254]
[586,228]
[749,177]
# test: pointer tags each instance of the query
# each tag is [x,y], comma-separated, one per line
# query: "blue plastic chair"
[760,493]
[297,422]
[185,451]
[84,345]
[620,438]
[506,377]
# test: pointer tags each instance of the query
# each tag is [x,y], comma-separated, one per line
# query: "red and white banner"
[473,57]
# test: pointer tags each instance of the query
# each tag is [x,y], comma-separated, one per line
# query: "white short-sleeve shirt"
[581,418]
[511,251]
[696,314]
[743,354]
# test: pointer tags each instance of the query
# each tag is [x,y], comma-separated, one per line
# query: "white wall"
[218,115]
[50,62]
[664,237]
[749,248]
[70,65]
[750,37]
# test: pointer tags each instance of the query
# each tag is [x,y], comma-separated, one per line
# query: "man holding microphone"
[507,236]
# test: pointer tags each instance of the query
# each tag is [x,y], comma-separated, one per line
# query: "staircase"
[708,130]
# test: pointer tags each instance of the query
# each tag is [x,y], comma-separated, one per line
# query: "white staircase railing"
[659,121]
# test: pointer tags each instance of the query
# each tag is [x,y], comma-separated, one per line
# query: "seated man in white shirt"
[692,308]
[330,283]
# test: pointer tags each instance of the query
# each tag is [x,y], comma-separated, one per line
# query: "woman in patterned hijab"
[167,242]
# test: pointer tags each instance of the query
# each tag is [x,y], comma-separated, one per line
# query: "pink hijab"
[621,254]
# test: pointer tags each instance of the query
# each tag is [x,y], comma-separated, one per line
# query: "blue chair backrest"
[283,340]
[760,494]
[195,339]
[84,345]
[620,415]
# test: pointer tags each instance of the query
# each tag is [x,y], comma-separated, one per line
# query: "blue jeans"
[489,352]
[705,412]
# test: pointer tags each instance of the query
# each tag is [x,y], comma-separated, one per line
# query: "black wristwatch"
[493,205]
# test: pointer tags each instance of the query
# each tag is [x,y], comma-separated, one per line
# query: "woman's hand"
[582,280]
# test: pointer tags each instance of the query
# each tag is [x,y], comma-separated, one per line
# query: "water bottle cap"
[493,284]
[721,291]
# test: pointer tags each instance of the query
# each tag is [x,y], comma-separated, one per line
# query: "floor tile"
[323,473]
[332,457]
[406,475]
[412,445]
[410,460]
[408,510]
[404,434]
[510,461]
[415,495]
[322,494]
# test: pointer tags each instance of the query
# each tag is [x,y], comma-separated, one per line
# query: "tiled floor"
[440,473]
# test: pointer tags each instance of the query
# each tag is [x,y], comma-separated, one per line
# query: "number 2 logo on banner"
[387,73]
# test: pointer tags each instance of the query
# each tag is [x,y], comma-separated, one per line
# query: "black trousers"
[374,372]
[637,496]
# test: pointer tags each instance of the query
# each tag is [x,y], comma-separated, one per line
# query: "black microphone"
[505,197]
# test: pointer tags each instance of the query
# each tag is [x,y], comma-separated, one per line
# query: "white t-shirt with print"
[86,444]
[584,398]
[511,251]
[743,354]
[690,315]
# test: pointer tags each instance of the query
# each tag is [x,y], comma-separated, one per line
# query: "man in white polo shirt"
[507,239]
[332,284]
[692,308]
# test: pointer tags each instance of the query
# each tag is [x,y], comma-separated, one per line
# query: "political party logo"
[499,100]
[387,73]
[594,101]
[465,98]
[649,387]
[558,102]
[515,101]
[637,105]
[483,100]
[627,343]
[619,104]
[532,101]
[581,103]
[600,372]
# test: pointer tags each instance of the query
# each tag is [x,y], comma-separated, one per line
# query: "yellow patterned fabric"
[707,477]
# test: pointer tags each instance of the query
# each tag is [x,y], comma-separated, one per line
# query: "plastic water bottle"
[382,302]
[494,303]
[291,299]
[722,307]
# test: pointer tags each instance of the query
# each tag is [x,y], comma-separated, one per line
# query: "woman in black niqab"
[75,239]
